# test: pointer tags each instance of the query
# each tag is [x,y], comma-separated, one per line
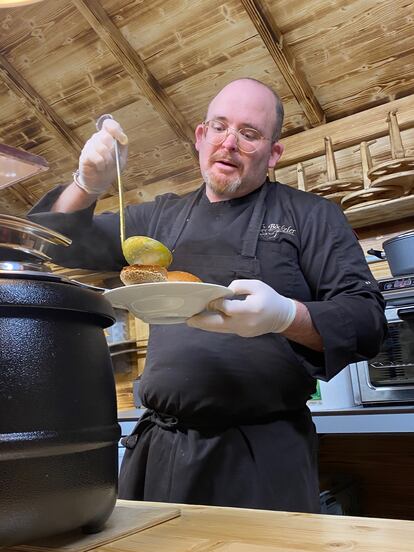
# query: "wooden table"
[212,529]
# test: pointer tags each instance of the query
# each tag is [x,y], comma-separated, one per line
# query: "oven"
[389,377]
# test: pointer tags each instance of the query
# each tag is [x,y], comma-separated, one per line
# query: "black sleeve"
[96,241]
[348,308]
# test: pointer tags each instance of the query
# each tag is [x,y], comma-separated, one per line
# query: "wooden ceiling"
[340,66]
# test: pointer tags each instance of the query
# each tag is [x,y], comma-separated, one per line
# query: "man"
[227,422]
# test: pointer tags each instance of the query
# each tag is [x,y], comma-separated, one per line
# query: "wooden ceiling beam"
[346,132]
[20,191]
[111,203]
[47,116]
[107,31]
[27,204]
[281,53]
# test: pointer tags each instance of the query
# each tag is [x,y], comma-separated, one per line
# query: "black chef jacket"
[227,422]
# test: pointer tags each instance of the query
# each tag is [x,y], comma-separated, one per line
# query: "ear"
[275,153]
[199,133]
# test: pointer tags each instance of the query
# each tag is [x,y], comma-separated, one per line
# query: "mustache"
[226,159]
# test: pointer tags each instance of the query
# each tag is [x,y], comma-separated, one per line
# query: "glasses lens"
[245,146]
[216,132]
[248,139]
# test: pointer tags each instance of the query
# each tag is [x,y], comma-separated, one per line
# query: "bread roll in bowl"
[180,276]
[142,274]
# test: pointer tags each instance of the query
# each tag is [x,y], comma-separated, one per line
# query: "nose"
[231,140]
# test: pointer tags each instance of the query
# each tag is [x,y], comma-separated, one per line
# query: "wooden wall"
[129,366]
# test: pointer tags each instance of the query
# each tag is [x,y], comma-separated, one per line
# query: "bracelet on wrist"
[83,186]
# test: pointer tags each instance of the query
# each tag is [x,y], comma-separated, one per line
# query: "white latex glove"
[97,167]
[262,311]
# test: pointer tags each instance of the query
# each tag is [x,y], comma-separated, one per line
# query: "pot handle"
[377,253]
[406,313]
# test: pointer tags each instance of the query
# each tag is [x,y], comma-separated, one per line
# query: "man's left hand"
[261,311]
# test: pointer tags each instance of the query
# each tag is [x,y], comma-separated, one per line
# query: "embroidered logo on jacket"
[269,232]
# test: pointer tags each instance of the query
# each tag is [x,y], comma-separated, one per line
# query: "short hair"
[280,112]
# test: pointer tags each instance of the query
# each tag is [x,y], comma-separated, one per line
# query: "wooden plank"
[181,183]
[394,209]
[356,55]
[43,111]
[136,68]
[280,52]
[273,531]
[346,132]
[372,234]
[123,521]
[21,196]
[11,204]
[381,269]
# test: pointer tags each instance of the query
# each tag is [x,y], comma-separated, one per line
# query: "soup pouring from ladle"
[136,249]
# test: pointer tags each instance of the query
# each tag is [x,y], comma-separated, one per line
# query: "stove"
[389,377]
[396,284]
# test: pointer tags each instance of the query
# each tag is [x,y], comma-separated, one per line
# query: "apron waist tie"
[150,418]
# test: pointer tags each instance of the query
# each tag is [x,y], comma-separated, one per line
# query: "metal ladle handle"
[99,124]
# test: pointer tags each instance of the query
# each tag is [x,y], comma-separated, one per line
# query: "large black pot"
[58,421]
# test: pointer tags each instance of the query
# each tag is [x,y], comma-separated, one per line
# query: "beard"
[222,185]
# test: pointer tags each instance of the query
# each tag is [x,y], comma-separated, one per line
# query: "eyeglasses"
[248,139]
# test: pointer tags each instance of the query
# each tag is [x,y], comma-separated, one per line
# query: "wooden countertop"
[212,529]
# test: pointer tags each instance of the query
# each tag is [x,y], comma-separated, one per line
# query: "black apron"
[242,453]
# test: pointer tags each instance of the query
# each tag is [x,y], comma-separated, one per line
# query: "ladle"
[136,248]
[99,124]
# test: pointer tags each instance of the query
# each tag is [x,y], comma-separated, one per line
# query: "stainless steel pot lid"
[31,271]
[20,253]
[36,270]
[13,266]
[39,271]
[23,240]
[16,223]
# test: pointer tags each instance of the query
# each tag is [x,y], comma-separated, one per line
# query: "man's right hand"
[97,166]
